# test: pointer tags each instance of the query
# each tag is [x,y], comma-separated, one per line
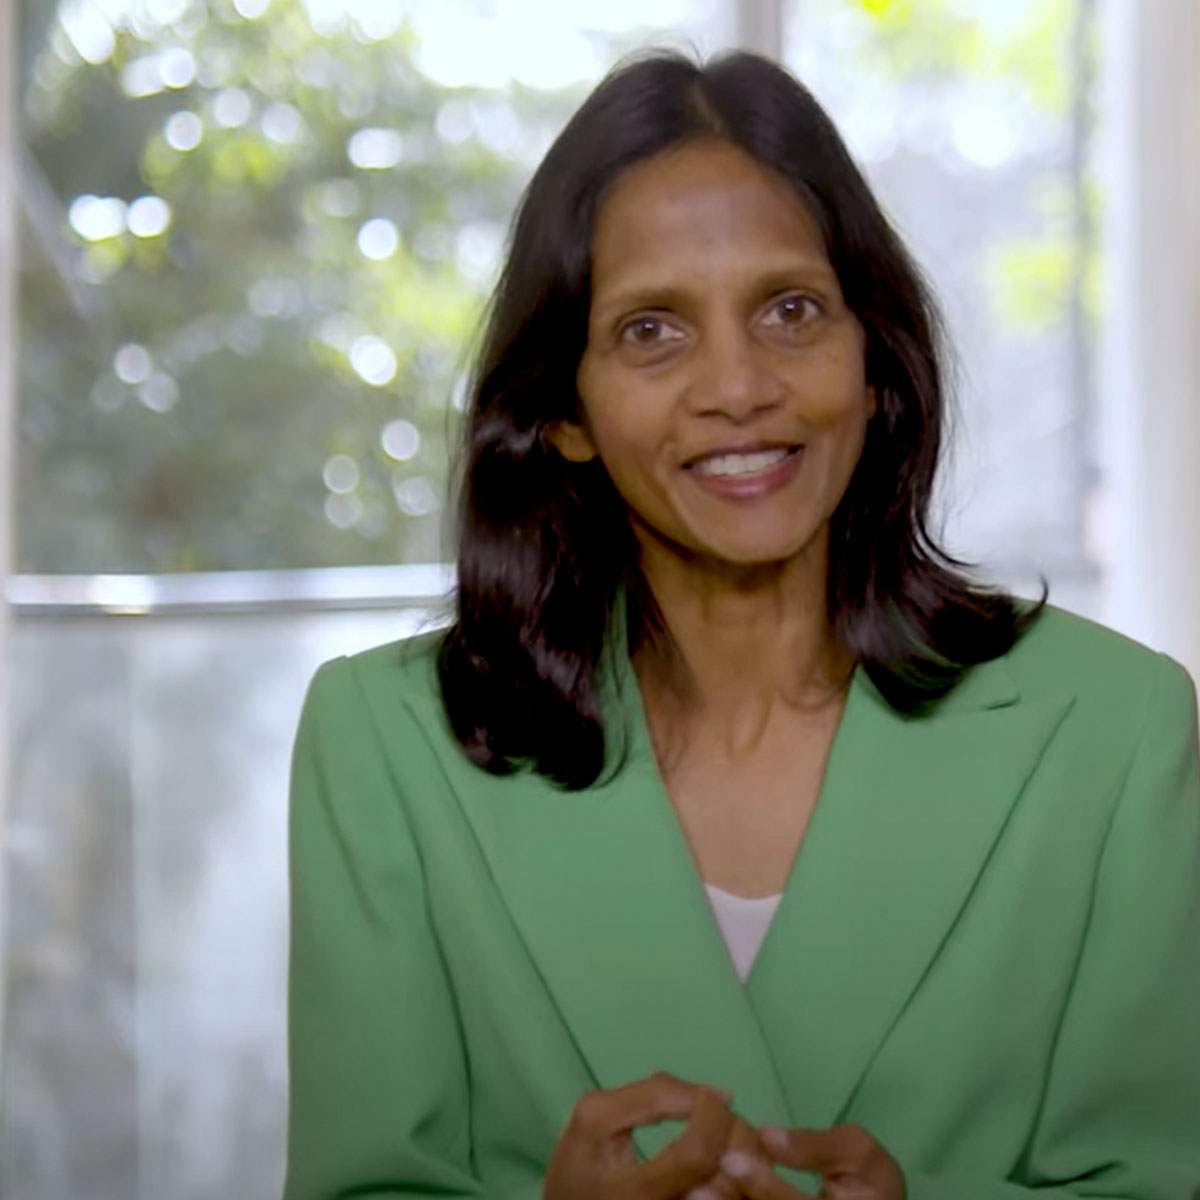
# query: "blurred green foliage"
[237,383]
[182,393]
[1019,42]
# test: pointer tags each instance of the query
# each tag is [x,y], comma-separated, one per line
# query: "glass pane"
[144,1054]
[971,119]
[256,234]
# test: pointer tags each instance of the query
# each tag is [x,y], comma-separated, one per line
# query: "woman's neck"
[741,642]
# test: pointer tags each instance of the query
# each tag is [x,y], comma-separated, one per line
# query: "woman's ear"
[571,441]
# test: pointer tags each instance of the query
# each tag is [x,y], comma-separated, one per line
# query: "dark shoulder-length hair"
[545,546]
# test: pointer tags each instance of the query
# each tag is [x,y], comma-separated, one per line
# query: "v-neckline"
[639,748]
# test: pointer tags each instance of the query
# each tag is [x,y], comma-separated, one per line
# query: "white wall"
[1150,337]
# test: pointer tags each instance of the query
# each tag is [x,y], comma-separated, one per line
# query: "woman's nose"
[732,378]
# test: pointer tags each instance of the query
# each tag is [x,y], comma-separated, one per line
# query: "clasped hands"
[717,1156]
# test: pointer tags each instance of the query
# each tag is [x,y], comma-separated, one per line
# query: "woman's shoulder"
[1062,650]
[401,673]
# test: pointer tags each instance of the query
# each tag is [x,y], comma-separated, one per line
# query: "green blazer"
[987,953]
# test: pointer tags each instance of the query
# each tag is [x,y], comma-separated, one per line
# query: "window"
[973,121]
[255,238]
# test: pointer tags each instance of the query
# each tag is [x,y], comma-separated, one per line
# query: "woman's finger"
[756,1178]
[694,1156]
[823,1151]
[659,1097]
[849,1159]
[721,1187]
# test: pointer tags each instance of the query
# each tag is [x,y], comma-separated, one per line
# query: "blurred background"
[244,251]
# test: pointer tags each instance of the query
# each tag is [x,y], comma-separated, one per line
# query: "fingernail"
[775,1137]
[703,1193]
[737,1164]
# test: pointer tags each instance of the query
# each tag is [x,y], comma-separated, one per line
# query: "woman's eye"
[647,331]
[793,310]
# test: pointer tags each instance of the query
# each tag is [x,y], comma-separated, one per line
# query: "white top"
[743,922]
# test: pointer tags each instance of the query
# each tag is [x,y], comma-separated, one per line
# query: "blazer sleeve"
[1120,1111]
[378,1097]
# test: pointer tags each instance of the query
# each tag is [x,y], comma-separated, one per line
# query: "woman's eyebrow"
[775,278]
[648,295]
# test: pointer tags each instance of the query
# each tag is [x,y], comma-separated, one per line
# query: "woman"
[710,673]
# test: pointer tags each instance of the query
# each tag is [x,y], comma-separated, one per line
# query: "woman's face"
[723,383]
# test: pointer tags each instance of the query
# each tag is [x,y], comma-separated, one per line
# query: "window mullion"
[759,26]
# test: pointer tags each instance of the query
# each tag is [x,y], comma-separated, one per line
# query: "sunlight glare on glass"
[497,125]
[475,43]
[458,47]
[177,67]
[339,330]
[146,76]
[281,123]
[374,20]
[231,107]
[132,363]
[148,216]
[454,123]
[373,360]
[1001,17]
[183,130]
[340,473]
[325,16]
[88,30]
[985,130]
[415,497]
[164,12]
[96,218]
[142,77]
[375,149]
[400,440]
[160,393]
[477,248]
[378,239]
[343,511]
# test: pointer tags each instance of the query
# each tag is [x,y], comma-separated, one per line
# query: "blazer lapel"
[605,894]
[909,810]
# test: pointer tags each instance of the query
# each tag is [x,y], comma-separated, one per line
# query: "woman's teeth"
[740,464]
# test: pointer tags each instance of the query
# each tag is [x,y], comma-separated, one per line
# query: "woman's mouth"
[746,474]
[742,463]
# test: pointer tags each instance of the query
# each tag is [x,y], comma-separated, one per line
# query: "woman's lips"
[748,484]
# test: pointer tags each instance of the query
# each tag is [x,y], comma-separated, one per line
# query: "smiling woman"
[722,363]
[868,872]
[691,211]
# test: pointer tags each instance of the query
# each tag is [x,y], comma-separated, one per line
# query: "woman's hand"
[595,1159]
[852,1164]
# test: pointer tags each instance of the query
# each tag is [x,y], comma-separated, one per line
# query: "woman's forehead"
[703,205]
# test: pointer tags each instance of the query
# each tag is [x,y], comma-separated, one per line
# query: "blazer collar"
[909,812]
[604,892]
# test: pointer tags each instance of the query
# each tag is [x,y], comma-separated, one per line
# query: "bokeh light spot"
[375,149]
[132,363]
[231,107]
[148,216]
[378,239]
[341,474]
[183,130]
[400,440]
[373,360]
